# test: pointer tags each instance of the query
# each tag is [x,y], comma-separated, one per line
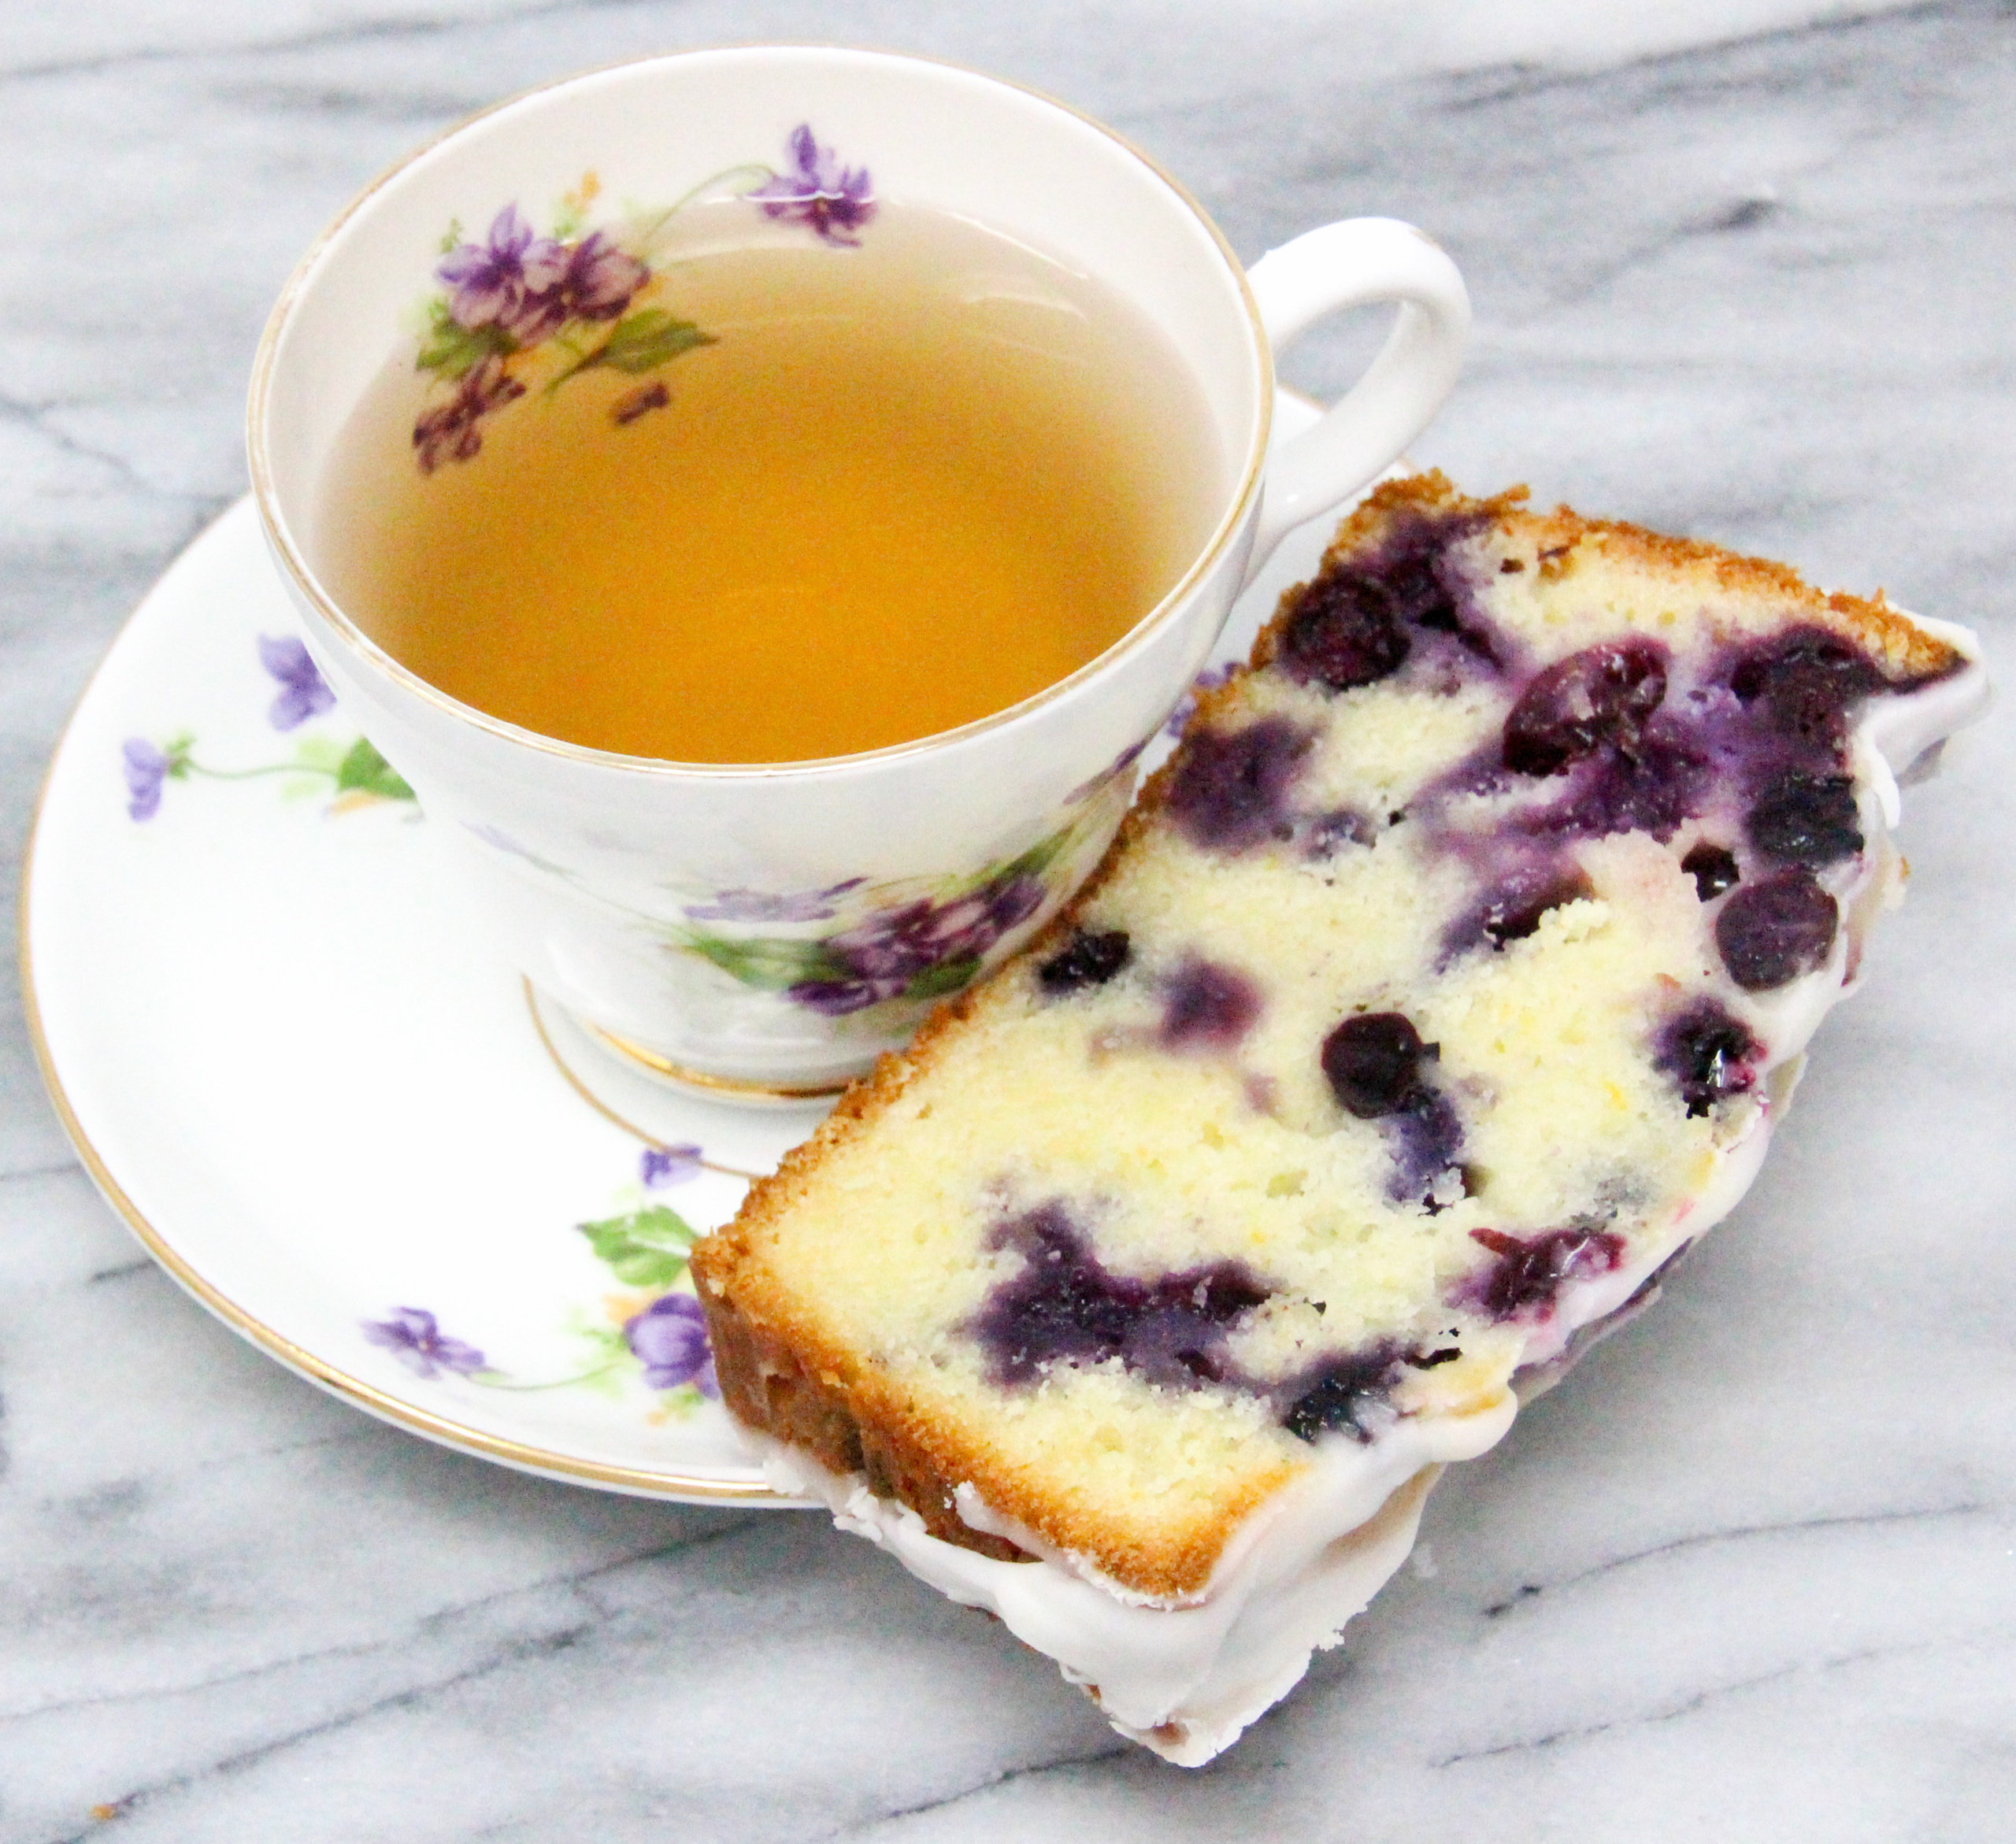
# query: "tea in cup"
[763,501]
[893,484]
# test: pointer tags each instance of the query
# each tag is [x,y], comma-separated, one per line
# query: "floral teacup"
[770,928]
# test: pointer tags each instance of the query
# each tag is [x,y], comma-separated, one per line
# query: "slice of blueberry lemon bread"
[1443,986]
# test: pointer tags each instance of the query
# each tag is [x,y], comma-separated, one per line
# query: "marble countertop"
[1742,270]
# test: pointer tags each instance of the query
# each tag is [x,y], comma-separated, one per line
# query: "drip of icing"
[1184,1678]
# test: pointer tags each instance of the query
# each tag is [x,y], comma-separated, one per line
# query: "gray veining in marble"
[1741,270]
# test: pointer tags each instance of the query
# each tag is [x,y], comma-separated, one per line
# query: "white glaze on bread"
[1178,1529]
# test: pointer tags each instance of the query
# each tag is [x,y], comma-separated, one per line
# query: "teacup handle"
[1353,265]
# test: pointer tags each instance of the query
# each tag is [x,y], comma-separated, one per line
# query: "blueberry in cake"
[1443,986]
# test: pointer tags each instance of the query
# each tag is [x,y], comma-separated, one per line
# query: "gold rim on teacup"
[288,552]
[664,903]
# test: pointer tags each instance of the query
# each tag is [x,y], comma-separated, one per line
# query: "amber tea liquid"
[908,485]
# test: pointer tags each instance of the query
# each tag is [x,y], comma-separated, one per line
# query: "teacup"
[768,929]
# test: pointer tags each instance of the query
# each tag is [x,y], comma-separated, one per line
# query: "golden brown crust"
[823,1401]
[765,1384]
[781,1377]
[1907,650]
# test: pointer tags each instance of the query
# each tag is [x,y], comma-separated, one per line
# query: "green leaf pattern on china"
[643,342]
[518,310]
[451,350]
[363,770]
[768,963]
[912,942]
[645,1248]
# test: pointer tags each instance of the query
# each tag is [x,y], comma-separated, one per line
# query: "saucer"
[293,1063]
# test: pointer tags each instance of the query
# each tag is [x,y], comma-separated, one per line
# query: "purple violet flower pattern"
[834,200]
[661,1166]
[911,942]
[414,1336]
[506,281]
[520,308]
[755,905]
[304,692]
[599,280]
[452,431]
[146,769]
[640,402]
[669,1338]
[356,776]
[653,1330]
[1110,774]
[881,957]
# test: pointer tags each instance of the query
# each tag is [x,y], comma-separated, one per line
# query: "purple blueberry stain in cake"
[1432,1360]
[1584,753]
[1709,1053]
[1426,1140]
[1263,1094]
[1516,912]
[1373,1063]
[1585,1337]
[1230,790]
[1415,570]
[1599,717]
[1782,733]
[1405,605]
[1600,698]
[1806,819]
[1207,1005]
[1345,633]
[1526,1274]
[1350,1394]
[1771,931]
[1323,835]
[1087,960]
[1713,868]
[1802,684]
[1662,781]
[1065,1306]
[1512,909]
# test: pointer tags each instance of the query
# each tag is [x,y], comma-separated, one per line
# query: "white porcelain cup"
[770,928]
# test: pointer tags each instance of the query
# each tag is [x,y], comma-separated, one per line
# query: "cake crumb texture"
[1436,973]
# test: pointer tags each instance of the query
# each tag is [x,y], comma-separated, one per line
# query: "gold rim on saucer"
[646,1481]
[656,1482]
[595,1101]
[727,1086]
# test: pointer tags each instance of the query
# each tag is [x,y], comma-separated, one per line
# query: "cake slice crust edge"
[782,1376]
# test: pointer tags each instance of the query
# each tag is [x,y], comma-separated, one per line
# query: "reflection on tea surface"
[902,486]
